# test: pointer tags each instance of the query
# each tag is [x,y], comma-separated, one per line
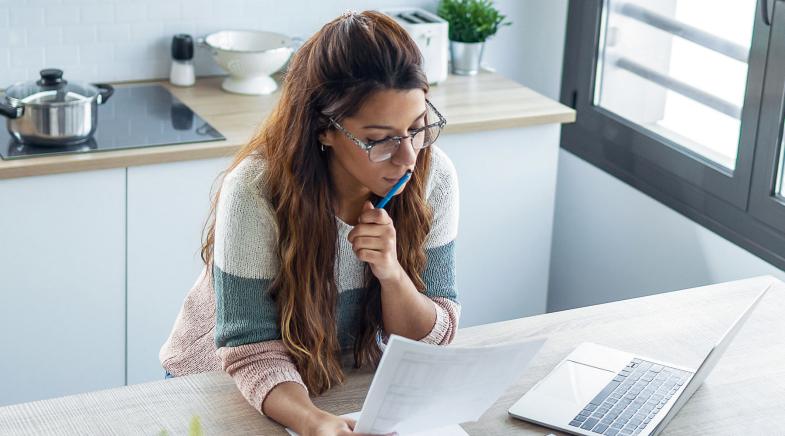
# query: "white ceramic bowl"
[250,57]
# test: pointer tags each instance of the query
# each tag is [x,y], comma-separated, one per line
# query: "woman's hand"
[328,424]
[373,241]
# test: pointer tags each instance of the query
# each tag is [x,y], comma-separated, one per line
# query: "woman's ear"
[326,138]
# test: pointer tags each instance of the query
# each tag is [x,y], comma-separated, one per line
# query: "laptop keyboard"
[629,402]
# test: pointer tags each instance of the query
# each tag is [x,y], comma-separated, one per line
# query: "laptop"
[600,390]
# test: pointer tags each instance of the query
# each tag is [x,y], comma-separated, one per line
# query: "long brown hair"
[331,75]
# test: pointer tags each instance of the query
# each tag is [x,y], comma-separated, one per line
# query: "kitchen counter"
[487,101]
[743,395]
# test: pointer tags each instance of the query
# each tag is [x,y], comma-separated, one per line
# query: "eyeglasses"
[421,137]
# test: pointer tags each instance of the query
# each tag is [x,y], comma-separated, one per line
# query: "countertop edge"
[556,113]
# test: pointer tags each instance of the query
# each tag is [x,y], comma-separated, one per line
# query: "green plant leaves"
[471,20]
[194,428]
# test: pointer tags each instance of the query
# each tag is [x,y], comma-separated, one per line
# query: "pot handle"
[201,42]
[105,92]
[11,111]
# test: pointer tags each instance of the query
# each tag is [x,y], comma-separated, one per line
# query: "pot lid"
[50,88]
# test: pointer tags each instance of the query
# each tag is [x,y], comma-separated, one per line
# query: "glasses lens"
[383,150]
[430,135]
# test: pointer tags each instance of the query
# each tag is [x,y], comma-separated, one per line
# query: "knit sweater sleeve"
[247,332]
[439,274]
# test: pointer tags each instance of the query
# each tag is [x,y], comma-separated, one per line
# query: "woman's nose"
[405,155]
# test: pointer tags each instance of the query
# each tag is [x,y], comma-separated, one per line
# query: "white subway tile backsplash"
[234,10]
[110,40]
[43,3]
[171,29]
[4,55]
[149,69]
[27,16]
[109,74]
[95,13]
[197,10]
[163,11]
[133,50]
[5,20]
[82,73]
[82,35]
[99,53]
[131,12]
[19,75]
[62,56]
[61,14]
[44,36]
[146,31]
[15,38]
[114,32]
[27,57]
[187,28]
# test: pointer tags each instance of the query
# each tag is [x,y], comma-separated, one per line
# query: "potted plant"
[471,22]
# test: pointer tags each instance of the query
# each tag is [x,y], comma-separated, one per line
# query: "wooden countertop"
[743,395]
[470,103]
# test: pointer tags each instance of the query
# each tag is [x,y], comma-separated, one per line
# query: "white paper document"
[421,389]
[419,386]
[450,430]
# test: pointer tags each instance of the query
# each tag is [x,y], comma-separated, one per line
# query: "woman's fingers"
[368,230]
[376,216]
[370,256]
[353,423]
[369,242]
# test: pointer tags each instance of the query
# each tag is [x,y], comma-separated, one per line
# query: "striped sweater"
[230,323]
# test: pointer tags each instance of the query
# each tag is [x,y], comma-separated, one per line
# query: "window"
[676,71]
[683,100]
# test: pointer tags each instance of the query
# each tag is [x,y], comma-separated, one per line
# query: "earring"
[322,146]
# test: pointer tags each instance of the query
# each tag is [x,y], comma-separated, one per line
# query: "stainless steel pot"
[52,111]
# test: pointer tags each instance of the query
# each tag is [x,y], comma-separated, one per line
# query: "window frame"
[737,205]
[764,203]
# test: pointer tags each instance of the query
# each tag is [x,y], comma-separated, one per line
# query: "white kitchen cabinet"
[62,284]
[167,208]
[507,183]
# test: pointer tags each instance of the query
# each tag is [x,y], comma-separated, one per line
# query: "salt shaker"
[182,72]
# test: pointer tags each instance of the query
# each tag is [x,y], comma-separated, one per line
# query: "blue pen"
[401,181]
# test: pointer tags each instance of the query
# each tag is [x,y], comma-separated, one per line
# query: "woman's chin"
[398,192]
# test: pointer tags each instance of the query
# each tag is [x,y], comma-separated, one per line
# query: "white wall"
[530,50]
[611,242]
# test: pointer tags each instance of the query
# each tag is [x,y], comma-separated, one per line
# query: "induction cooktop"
[135,116]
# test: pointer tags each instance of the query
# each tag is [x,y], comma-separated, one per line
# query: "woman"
[300,266]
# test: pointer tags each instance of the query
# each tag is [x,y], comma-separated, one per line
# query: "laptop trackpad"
[574,383]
